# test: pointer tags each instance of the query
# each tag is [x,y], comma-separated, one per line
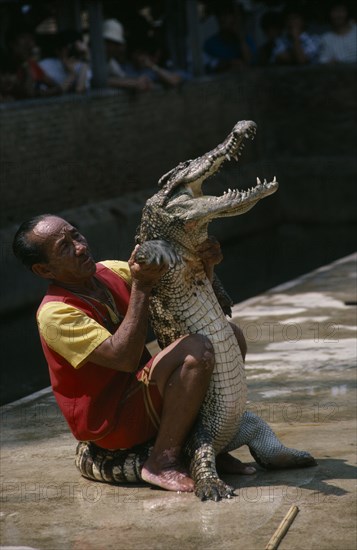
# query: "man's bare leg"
[182,372]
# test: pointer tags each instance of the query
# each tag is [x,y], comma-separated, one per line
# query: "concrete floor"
[300,370]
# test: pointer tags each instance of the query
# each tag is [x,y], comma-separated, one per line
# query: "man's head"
[339,14]
[229,16]
[271,24]
[54,249]
[69,44]
[294,22]
[21,43]
[115,43]
[143,52]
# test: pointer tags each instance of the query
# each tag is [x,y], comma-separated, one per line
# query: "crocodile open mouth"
[232,148]
[189,176]
[235,142]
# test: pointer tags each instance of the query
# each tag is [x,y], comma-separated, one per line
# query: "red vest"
[89,395]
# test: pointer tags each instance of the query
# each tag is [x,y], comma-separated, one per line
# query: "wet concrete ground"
[301,379]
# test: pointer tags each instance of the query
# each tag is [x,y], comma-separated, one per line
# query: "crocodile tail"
[121,466]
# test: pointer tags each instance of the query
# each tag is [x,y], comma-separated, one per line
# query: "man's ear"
[43,270]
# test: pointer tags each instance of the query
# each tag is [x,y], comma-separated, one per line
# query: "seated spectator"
[145,61]
[271,25]
[66,66]
[296,46]
[229,49]
[339,45]
[23,77]
[8,78]
[115,46]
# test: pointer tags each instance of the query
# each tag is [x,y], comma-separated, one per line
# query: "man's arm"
[210,253]
[141,84]
[122,351]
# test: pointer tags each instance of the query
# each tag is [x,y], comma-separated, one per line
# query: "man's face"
[23,46]
[69,257]
[339,16]
[116,50]
[294,24]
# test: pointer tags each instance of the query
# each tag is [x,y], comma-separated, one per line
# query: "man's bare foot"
[169,479]
[228,464]
[167,472]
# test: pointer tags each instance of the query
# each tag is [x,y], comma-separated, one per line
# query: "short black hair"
[337,3]
[29,251]
[16,30]
[7,65]
[271,19]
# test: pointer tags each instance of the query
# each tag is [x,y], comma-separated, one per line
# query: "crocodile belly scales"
[193,308]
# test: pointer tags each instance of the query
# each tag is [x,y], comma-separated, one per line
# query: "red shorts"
[139,413]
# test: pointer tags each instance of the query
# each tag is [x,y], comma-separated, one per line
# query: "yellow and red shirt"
[89,396]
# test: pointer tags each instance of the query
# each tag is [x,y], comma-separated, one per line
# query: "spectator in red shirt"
[30,80]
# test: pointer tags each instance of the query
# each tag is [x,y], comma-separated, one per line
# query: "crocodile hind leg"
[265,447]
[122,466]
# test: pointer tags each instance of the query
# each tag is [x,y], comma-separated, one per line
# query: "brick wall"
[67,152]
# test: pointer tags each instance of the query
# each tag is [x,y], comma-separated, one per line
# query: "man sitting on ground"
[93,325]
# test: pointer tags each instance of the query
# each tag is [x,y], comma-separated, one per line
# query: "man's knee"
[200,352]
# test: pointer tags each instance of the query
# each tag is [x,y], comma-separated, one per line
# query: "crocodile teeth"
[246,135]
[274,180]
[228,157]
[265,182]
[258,181]
[235,157]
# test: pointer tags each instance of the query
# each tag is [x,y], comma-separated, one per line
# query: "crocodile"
[174,223]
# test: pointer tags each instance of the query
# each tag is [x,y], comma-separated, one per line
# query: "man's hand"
[143,83]
[69,63]
[211,254]
[145,276]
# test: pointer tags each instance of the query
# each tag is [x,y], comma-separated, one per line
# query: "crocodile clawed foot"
[288,458]
[213,489]
[157,251]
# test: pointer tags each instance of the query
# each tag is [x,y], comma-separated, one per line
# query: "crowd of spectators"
[40,65]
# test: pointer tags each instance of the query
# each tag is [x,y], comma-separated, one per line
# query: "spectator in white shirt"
[340,44]
[66,66]
[115,47]
[296,46]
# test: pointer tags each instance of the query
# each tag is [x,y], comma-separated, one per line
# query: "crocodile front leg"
[200,450]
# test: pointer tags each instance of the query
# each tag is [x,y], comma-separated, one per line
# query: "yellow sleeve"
[70,332]
[119,268]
